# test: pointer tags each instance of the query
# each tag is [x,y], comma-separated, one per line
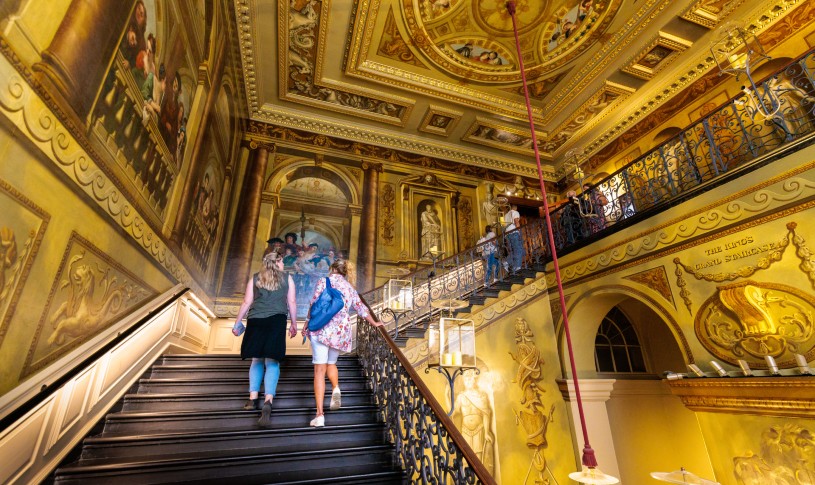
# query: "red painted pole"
[588,453]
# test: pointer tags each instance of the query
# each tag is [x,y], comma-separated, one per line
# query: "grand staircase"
[186,423]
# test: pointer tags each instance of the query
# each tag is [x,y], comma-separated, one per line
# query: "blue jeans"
[492,268]
[256,373]
[516,250]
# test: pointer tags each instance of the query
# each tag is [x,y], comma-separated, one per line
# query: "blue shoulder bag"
[328,304]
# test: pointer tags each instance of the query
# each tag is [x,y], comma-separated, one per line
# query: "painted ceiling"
[442,77]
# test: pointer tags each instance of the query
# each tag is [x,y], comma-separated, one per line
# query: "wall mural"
[202,225]
[141,115]
[474,416]
[786,456]
[315,188]
[90,292]
[300,63]
[21,229]
[532,414]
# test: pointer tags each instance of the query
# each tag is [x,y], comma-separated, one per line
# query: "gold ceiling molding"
[708,13]
[24,108]
[245,11]
[659,52]
[485,132]
[609,51]
[359,64]
[440,121]
[300,79]
[410,144]
[769,13]
[603,101]
[786,396]
[355,150]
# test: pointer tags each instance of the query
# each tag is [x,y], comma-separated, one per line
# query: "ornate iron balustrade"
[716,145]
[461,274]
[428,445]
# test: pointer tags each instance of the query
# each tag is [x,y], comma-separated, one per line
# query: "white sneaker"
[318,422]
[336,399]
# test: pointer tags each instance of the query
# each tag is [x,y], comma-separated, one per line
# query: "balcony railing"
[702,154]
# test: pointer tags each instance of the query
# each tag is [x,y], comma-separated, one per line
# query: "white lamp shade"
[682,477]
[593,476]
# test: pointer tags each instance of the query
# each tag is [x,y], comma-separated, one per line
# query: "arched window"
[616,346]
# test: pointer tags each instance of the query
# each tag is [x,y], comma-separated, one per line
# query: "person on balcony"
[269,293]
[570,218]
[512,219]
[335,337]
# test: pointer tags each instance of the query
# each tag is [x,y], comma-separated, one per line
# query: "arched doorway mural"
[312,202]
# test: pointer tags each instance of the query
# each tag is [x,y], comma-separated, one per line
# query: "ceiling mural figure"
[552,33]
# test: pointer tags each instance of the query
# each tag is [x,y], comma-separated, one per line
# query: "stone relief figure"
[785,457]
[532,414]
[473,417]
[490,208]
[430,229]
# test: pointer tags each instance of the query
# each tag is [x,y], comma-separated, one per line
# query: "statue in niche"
[490,208]
[473,417]
[430,229]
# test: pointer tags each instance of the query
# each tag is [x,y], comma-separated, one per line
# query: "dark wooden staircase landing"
[186,424]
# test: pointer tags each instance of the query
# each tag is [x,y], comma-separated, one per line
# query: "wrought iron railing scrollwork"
[714,146]
[428,446]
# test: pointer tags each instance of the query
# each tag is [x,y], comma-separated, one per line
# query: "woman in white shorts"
[335,337]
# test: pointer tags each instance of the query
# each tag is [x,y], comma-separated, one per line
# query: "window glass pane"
[621,359]
[637,362]
[604,361]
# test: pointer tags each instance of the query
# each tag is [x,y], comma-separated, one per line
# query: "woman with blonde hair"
[269,294]
[333,338]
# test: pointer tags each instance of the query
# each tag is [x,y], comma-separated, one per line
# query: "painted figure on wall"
[156,74]
[473,416]
[430,228]
[786,457]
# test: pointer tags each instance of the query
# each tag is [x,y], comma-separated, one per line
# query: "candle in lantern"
[457,358]
[447,359]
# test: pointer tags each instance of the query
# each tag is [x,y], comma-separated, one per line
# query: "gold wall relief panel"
[387,205]
[750,320]
[22,226]
[759,450]
[532,412]
[660,52]
[657,280]
[300,75]
[91,291]
[784,453]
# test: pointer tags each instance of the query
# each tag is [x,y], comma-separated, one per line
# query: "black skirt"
[265,338]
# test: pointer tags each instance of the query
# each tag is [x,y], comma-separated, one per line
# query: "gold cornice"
[778,396]
[410,144]
[698,14]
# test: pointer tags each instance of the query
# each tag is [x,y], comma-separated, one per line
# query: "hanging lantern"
[399,295]
[456,342]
